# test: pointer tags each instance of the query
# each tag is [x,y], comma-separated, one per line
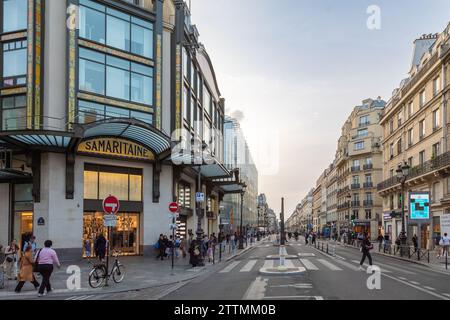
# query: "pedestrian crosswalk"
[78,298]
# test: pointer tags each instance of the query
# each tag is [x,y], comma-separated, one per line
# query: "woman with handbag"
[26,270]
[10,260]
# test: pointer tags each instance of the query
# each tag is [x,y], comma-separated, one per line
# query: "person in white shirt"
[445,244]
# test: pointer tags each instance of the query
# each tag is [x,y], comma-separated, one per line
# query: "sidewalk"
[436,264]
[140,273]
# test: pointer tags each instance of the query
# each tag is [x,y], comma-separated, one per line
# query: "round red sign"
[173,207]
[111,205]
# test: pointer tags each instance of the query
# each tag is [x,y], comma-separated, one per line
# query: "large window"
[184,195]
[14,112]
[14,15]
[91,112]
[125,184]
[116,29]
[119,78]
[14,63]
[359,145]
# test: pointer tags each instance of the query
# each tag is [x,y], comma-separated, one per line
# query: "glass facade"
[14,15]
[14,112]
[115,29]
[14,63]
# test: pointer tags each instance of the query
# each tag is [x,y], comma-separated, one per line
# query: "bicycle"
[99,272]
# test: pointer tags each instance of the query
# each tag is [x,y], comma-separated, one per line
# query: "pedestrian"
[445,245]
[161,246]
[366,246]
[87,248]
[194,253]
[210,252]
[177,247]
[45,259]
[415,243]
[233,238]
[10,262]
[306,237]
[31,242]
[26,270]
[380,240]
[397,244]
[437,244]
[100,247]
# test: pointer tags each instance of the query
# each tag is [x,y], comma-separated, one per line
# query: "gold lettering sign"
[116,148]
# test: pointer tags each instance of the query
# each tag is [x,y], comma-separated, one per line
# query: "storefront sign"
[41,222]
[419,202]
[115,147]
[445,224]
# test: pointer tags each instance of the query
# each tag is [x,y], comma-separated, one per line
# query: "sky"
[294,70]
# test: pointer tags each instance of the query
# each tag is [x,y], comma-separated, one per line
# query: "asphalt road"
[325,278]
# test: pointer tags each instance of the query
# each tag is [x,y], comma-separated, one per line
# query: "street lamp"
[241,238]
[402,174]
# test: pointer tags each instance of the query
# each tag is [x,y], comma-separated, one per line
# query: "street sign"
[419,204]
[200,197]
[173,207]
[111,205]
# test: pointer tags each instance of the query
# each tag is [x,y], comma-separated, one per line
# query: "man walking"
[366,246]
[445,244]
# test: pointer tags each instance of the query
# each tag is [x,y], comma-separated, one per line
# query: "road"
[325,278]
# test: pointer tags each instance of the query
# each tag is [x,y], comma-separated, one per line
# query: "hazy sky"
[300,66]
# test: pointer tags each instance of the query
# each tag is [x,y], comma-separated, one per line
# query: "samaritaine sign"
[114,147]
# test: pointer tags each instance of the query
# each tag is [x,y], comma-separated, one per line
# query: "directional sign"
[200,197]
[173,207]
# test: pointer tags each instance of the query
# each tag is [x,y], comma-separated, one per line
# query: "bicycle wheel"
[97,277]
[118,273]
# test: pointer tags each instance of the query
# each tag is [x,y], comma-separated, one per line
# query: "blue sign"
[419,205]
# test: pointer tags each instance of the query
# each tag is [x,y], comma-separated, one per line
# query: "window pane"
[118,85]
[90,112]
[142,23]
[14,119]
[92,25]
[141,41]
[90,185]
[8,102]
[115,184]
[92,77]
[92,55]
[118,34]
[117,62]
[141,89]
[15,63]
[142,116]
[117,112]
[135,188]
[139,68]
[14,15]
[23,192]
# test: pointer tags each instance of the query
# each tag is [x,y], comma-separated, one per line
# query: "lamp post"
[402,174]
[241,236]
[199,231]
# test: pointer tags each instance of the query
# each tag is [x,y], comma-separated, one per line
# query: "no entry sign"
[173,207]
[111,205]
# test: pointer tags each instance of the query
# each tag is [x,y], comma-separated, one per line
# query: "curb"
[239,253]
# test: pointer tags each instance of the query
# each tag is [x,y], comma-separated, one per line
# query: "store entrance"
[124,237]
[23,227]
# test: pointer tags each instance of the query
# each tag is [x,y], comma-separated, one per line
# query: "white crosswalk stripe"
[80,297]
[249,266]
[346,264]
[230,267]
[308,264]
[268,264]
[382,269]
[329,265]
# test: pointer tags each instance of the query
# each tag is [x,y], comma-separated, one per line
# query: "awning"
[36,138]
[131,129]
[10,174]
[210,167]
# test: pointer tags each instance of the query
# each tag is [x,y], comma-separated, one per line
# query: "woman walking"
[26,270]
[366,246]
[45,259]
[11,252]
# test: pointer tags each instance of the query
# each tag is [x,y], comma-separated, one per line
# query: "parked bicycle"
[99,273]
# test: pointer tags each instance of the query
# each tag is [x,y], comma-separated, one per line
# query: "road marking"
[429,288]
[289,264]
[329,265]
[268,264]
[256,290]
[348,265]
[416,287]
[298,286]
[402,278]
[79,297]
[306,254]
[382,269]
[248,267]
[308,264]
[170,290]
[294,297]
[446,294]
[415,282]
[229,267]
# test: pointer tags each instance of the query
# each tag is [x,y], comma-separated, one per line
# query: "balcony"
[363,124]
[368,203]
[439,163]
[356,204]
[356,169]
[342,191]
[343,206]
[368,166]
[368,185]
[356,186]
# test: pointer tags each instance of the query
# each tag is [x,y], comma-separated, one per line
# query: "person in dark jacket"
[161,247]
[194,253]
[100,247]
[366,246]
[415,243]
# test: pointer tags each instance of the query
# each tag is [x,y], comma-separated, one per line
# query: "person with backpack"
[366,246]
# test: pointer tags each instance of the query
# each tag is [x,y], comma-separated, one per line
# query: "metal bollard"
[327,248]
[220,253]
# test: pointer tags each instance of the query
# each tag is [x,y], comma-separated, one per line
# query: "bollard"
[220,253]
[418,254]
[327,248]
